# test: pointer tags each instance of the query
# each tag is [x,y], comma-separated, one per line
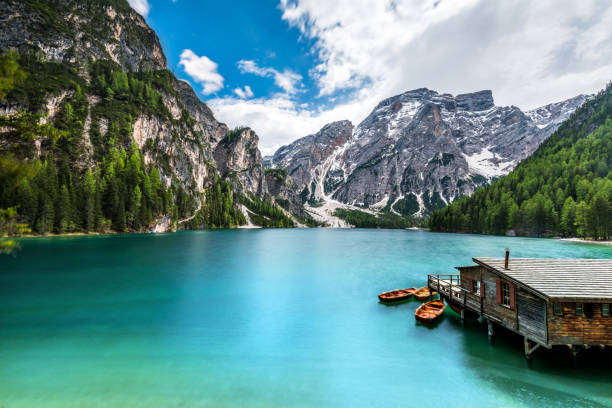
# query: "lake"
[264,318]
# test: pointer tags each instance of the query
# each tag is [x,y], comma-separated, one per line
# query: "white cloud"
[529,53]
[244,93]
[286,80]
[202,70]
[280,120]
[142,7]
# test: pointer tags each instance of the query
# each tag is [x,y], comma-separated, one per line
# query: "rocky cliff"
[97,71]
[302,156]
[77,31]
[418,151]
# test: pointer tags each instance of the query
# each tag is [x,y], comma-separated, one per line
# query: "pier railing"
[448,285]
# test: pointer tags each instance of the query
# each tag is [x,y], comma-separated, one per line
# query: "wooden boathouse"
[550,302]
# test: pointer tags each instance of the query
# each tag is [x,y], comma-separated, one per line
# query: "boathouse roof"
[568,279]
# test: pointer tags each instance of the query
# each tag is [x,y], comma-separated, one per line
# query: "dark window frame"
[607,306]
[557,309]
[505,289]
[580,306]
[588,309]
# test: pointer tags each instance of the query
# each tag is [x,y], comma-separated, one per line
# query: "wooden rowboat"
[430,311]
[424,293]
[396,295]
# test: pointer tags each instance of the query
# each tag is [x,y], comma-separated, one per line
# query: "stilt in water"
[530,348]
[574,350]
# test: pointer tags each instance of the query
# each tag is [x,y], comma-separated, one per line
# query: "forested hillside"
[563,189]
[39,164]
[97,135]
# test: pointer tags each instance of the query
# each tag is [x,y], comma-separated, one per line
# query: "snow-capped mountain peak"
[418,151]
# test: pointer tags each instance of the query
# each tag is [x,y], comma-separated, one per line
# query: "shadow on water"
[432,325]
[549,379]
[401,302]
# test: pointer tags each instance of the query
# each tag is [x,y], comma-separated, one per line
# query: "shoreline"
[68,234]
[248,227]
[586,241]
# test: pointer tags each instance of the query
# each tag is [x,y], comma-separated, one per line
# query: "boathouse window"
[476,287]
[505,293]
[579,309]
[557,309]
[588,309]
[605,309]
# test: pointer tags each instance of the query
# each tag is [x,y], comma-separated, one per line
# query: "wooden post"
[529,348]
[490,331]
[574,349]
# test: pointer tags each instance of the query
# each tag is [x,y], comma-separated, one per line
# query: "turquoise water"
[266,318]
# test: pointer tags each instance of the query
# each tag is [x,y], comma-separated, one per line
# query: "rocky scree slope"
[418,151]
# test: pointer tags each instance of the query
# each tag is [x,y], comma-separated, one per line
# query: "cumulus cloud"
[202,70]
[276,120]
[528,53]
[280,120]
[244,93]
[142,7]
[286,80]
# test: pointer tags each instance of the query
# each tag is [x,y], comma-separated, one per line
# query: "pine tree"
[582,219]
[89,198]
[47,215]
[63,222]
[568,218]
[601,215]
[135,204]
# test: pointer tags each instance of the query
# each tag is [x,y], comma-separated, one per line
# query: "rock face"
[419,150]
[238,157]
[102,31]
[302,156]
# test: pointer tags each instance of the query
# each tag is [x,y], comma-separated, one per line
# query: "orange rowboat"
[396,295]
[424,293]
[430,311]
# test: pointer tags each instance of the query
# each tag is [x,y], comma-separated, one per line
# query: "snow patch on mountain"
[488,164]
[417,144]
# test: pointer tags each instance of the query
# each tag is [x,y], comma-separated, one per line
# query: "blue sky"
[230,32]
[288,67]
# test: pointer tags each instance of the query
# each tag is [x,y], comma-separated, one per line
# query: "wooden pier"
[550,302]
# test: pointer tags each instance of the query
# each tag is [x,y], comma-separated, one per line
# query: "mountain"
[564,188]
[75,31]
[303,156]
[123,145]
[417,151]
